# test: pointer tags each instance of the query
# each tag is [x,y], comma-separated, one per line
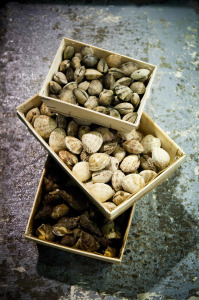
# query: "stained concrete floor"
[161,256]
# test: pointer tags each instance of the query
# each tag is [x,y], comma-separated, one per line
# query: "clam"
[124,93]
[73,144]
[57,139]
[110,206]
[64,65]
[130,164]
[135,99]
[86,50]
[32,114]
[130,117]
[84,85]
[70,86]
[101,109]
[80,95]
[84,156]
[69,51]
[133,183]
[55,87]
[79,74]
[140,75]
[82,130]
[128,68]
[44,125]
[67,96]
[90,60]
[117,73]
[106,97]
[101,191]
[133,146]
[116,180]
[160,157]
[107,134]
[149,142]
[133,134]
[148,175]
[79,55]
[72,128]
[81,171]
[91,102]
[113,165]
[102,176]
[108,147]
[120,196]
[60,78]
[113,61]
[108,81]
[70,74]
[98,161]
[68,158]
[95,88]
[138,87]
[75,62]
[114,113]
[44,110]
[119,153]
[92,74]
[102,66]
[124,108]
[147,163]
[92,141]
[124,81]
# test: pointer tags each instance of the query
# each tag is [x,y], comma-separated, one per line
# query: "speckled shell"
[106,133]
[160,158]
[108,147]
[133,146]
[109,205]
[149,142]
[133,183]
[73,144]
[140,75]
[116,180]
[81,171]
[119,153]
[102,176]
[113,165]
[101,191]
[130,163]
[68,158]
[57,140]
[120,196]
[98,161]
[148,175]
[92,141]
[44,125]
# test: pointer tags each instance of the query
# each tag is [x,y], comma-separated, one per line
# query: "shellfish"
[130,164]
[133,183]
[101,191]
[81,171]
[92,141]
[98,161]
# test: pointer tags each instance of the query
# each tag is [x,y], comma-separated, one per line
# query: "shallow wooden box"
[29,233]
[147,126]
[75,111]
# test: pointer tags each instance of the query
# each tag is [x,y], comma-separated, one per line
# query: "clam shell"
[124,93]
[68,158]
[133,146]
[79,74]
[75,62]
[98,161]
[55,87]
[86,50]
[130,163]
[72,128]
[119,153]
[113,165]
[107,134]
[60,78]
[147,163]
[57,140]
[124,81]
[114,61]
[91,102]
[64,65]
[106,97]
[44,125]
[138,87]
[70,74]
[90,60]
[124,108]
[91,74]
[101,109]
[133,183]
[102,176]
[108,81]
[140,75]
[135,99]
[82,130]
[149,142]
[130,117]
[81,171]
[84,156]
[117,73]
[132,135]
[148,175]
[160,157]
[109,205]
[116,180]
[69,51]
[114,113]
[70,86]
[120,196]
[92,141]
[102,66]
[101,191]
[83,85]
[108,147]
[73,144]
[128,68]
[32,113]
[67,95]
[80,95]
[95,88]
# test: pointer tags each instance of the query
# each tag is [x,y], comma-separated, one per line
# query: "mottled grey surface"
[161,260]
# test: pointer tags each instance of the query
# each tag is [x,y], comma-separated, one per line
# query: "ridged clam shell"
[102,176]
[102,109]
[102,66]
[120,196]
[130,117]
[133,183]
[109,205]
[106,97]
[55,87]
[91,74]
[81,171]
[108,147]
[44,125]
[70,74]
[114,61]
[128,68]
[73,144]
[133,146]
[57,140]
[140,75]
[124,81]
[114,113]
[98,161]
[80,95]
[124,93]
[107,134]
[70,86]
[91,103]
[116,180]
[108,81]
[72,128]
[148,175]
[60,78]
[119,153]
[130,163]
[160,158]
[82,130]
[113,165]
[124,108]
[138,87]
[101,191]
[92,141]
[64,65]
[149,142]
[68,158]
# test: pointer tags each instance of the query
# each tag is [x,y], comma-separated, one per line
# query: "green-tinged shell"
[108,81]
[55,87]
[75,62]
[101,109]
[135,99]
[124,81]
[90,60]
[70,74]
[114,113]
[64,65]
[86,50]
[69,51]
[128,68]
[102,66]
[140,75]
[124,93]
[60,78]
[138,87]
[124,108]
[117,73]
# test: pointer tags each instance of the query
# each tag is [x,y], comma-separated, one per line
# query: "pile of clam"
[113,165]
[105,85]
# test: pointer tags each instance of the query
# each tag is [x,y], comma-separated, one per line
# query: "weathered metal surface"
[161,256]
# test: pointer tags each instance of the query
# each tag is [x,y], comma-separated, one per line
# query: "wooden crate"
[29,233]
[147,126]
[75,111]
